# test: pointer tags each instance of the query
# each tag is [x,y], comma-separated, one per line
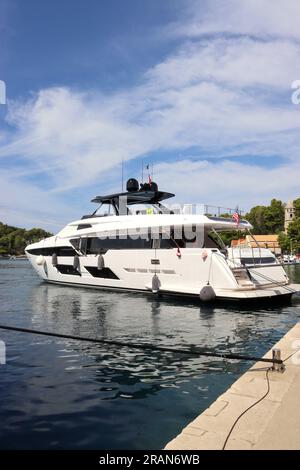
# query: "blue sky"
[200,88]
[87,44]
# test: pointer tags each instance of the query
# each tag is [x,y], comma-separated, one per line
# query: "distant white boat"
[123,247]
[290,259]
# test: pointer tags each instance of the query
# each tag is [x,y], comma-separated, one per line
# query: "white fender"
[40,260]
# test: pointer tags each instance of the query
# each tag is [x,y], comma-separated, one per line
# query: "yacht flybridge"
[134,242]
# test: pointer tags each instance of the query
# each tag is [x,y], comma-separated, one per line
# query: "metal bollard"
[276,355]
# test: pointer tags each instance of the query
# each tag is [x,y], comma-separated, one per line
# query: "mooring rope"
[193,351]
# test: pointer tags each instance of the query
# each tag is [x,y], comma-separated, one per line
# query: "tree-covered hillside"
[268,220]
[14,239]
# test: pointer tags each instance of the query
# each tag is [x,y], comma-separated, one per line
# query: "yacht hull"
[265,299]
[185,276]
[158,251]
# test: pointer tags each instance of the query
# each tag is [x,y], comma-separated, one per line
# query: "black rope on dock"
[249,408]
[194,351]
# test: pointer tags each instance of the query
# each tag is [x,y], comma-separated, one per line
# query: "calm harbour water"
[62,394]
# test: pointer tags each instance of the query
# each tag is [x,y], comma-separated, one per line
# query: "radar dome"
[132,185]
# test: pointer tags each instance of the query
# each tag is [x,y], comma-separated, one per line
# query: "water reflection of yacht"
[133,242]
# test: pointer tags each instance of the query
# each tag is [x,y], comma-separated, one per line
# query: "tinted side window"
[98,245]
[59,250]
[265,260]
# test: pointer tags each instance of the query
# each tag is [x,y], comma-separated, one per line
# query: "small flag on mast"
[236,216]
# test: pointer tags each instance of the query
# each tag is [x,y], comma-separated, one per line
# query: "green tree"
[297,207]
[256,217]
[13,240]
[294,234]
[267,219]
[284,242]
[274,217]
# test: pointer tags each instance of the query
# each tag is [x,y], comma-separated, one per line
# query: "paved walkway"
[274,423]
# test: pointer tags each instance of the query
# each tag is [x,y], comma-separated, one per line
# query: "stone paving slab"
[274,423]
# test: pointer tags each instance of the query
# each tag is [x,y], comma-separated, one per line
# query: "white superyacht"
[133,242]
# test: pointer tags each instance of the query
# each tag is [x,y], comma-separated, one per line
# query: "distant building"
[289,214]
[263,241]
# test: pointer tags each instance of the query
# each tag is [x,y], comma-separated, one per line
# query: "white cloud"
[228,183]
[238,62]
[69,134]
[261,18]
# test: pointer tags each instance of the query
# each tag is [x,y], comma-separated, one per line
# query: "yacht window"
[97,245]
[263,260]
[211,240]
[75,243]
[104,210]
[156,243]
[192,240]
[82,226]
[67,269]
[166,243]
[58,250]
[105,273]
[83,243]
[144,209]
[186,237]
[65,251]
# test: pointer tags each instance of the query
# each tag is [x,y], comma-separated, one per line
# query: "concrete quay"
[274,423]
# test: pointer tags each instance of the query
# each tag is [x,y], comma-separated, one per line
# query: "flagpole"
[149,173]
